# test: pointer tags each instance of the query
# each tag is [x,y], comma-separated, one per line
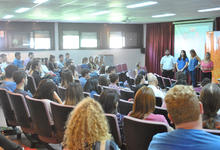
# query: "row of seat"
[164,82]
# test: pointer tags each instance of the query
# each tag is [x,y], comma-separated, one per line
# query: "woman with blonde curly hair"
[87,128]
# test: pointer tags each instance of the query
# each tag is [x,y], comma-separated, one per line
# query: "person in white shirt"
[4,63]
[167,65]
[153,84]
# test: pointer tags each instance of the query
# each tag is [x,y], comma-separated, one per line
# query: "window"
[70,40]
[41,40]
[89,40]
[131,39]
[2,39]
[19,40]
[117,40]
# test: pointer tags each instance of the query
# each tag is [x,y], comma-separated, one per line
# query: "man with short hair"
[84,78]
[185,111]
[67,57]
[114,79]
[9,83]
[60,63]
[167,65]
[153,84]
[20,79]
[17,61]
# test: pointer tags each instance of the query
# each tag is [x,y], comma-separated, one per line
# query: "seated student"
[60,63]
[84,78]
[17,61]
[109,100]
[91,86]
[66,78]
[110,70]
[185,111]
[139,82]
[20,79]
[8,82]
[204,82]
[73,94]
[73,69]
[4,62]
[103,81]
[44,70]
[87,128]
[153,84]
[210,98]
[35,71]
[181,79]
[52,66]
[102,70]
[47,90]
[84,64]
[114,79]
[144,106]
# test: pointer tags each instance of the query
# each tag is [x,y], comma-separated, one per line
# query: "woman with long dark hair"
[182,62]
[193,65]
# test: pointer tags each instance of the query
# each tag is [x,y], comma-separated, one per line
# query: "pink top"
[156,117]
[206,65]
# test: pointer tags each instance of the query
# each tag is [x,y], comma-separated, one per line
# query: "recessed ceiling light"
[163,15]
[40,1]
[21,10]
[209,9]
[100,13]
[142,4]
[8,16]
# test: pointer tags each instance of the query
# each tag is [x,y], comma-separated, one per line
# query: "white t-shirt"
[167,62]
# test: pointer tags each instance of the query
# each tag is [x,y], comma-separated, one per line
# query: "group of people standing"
[183,64]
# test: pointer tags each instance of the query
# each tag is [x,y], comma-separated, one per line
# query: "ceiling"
[81,10]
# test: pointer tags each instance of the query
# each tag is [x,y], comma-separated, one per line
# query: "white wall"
[129,56]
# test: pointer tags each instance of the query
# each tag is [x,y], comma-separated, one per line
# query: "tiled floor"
[24,140]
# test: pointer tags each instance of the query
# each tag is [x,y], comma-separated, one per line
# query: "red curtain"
[159,37]
[218,24]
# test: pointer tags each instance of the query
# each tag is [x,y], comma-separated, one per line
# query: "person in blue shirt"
[185,111]
[20,79]
[84,64]
[193,65]
[182,62]
[9,83]
[85,76]
[17,61]
[91,86]
[60,63]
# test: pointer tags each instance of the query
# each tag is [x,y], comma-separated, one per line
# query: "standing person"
[207,67]
[167,65]
[193,65]
[17,61]
[96,61]
[185,111]
[91,64]
[182,62]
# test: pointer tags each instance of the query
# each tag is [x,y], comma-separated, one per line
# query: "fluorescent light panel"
[21,10]
[142,4]
[209,9]
[100,13]
[163,15]
[40,1]
[8,16]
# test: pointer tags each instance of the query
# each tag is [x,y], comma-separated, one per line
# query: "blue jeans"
[193,77]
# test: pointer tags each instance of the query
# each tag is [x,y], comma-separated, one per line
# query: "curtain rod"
[194,21]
